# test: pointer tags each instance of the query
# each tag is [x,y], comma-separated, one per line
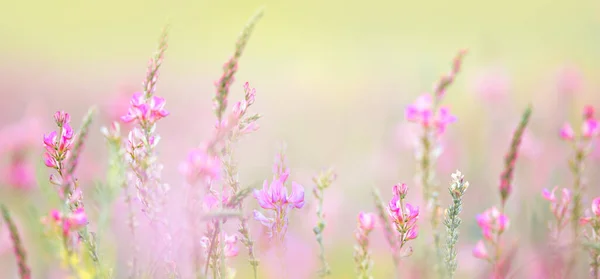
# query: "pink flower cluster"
[71,222]
[145,110]
[594,218]
[589,129]
[424,112]
[230,249]
[366,223]
[560,208]
[492,223]
[274,197]
[58,144]
[201,166]
[404,215]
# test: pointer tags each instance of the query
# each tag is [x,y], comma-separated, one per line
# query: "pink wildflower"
[566,132]
[480,251]
[274,197]
[596,206]
[422,112]
[201,166]
[590,128]
[366,221]
[403,215]
[231,250]
[147,111]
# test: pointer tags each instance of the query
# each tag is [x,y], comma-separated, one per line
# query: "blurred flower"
[274,197]
[201,166]
[492,84]
[566,132]
[422,112]
[366,221]
[492,221]
[480,251]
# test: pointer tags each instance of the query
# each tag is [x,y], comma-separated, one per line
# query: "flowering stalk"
[230,67]
[117,168]
[560,211]
[582,145]
[492,223]
[322,181]
[145,110]
[405,217]
[511,157]
[452,221]
[433,119]
[593,237]
[362,257]
[388,231]
[19,250]
[59,156]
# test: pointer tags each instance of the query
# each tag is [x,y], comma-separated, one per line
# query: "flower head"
[566,132]
[422,112]
[201,166]
[147,111]
[366,221]
[404,215]
[274,196]
[480,251]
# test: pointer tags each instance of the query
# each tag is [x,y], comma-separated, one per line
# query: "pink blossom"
[231,250]
[480,251]
[201,166]
[20,174]
[590,128]
[566,132]
[596,206]
[422,112]
[549,195]
[588,112]
[404,215]
[274,197]
[366,221]
[492,221]
[146,111]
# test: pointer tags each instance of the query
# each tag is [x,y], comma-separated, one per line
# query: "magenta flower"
[145,110]
[231,250]
[366,221]
[480,251]
[596,206]
[274,197]
[590,128]
[200,166]
[493,221]
[422,112]
[58,144]
[404,215]
[566,132]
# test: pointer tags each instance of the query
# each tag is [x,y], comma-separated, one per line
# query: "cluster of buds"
[362,257]
[492,223]
[404,216]
[593,236]
[560,208]
[274,197]
[424,112]
[589,129]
